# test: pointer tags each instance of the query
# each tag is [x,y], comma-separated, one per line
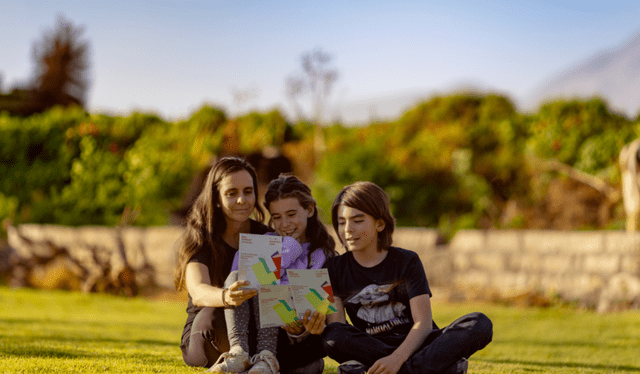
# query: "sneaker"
[264,362]
[463,366]
[234,361]
[459,367]
[352,367]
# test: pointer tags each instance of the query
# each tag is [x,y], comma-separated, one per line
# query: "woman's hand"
[314,323]
[236,296]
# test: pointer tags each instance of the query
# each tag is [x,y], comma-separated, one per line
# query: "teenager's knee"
[483,325]
[480,329]
[333,336]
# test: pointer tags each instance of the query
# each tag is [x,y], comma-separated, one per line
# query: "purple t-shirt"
[293,256]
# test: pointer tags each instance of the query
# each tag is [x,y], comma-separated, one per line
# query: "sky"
[172,57]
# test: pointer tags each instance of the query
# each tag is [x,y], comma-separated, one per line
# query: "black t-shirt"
[377,298]
[203,256]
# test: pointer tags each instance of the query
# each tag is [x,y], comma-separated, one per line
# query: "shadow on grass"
[555,343]
[43,352]
[562,364]
[151,325]
[80,340]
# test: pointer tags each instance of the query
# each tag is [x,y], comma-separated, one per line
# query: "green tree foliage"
[450,162]
[582,134]
[68,167]
[445,155]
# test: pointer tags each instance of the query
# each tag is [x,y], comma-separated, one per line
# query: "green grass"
[60,332]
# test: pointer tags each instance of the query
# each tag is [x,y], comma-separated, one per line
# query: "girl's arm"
[291,251]
[203,294]
[422,326]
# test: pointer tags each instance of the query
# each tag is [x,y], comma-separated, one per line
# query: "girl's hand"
[236,296]
[293,328]
[314,323]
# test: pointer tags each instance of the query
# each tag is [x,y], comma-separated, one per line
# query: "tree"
[317,81]
[62,65]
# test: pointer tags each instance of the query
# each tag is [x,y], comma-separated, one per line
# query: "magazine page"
[311,289]
[259,259]
[276,306]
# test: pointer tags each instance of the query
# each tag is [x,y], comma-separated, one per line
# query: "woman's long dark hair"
[206,223]
[287,185]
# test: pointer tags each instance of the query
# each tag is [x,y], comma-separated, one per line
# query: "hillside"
[613,74]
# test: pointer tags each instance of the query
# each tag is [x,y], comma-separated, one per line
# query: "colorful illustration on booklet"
[259,259]
[263,273]
[277,261]
[285,312]
[321,304]
[311,289]
[276,305]
[326,286]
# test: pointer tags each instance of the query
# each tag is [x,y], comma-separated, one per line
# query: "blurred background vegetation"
[452,162]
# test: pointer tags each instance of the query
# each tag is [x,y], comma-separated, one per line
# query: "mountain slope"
[612,74]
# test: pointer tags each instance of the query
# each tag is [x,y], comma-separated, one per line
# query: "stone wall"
[141,248]
[595,268]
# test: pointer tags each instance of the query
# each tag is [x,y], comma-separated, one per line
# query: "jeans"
[442,348]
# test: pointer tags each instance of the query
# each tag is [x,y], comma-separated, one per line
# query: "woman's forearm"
[205,295]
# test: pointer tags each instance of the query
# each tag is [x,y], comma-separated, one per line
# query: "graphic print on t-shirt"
[379,313]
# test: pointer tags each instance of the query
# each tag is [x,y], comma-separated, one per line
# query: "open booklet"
[259,263]
[311,289]
[259,260]
[307,290]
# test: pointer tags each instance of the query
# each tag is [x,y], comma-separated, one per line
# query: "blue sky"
[171,57]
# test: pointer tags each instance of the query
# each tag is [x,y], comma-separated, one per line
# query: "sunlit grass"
[61,332]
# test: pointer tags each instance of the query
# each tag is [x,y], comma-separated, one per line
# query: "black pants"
[206,339]
[442,348]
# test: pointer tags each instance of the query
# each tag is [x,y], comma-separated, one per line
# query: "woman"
[218,216]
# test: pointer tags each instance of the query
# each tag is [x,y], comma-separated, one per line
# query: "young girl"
[306,244]
[386,294]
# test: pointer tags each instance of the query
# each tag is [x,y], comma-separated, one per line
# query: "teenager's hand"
[236,296]
[293,328]
[386,365]
[314,323]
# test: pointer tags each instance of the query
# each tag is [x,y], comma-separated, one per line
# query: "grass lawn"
[61,332]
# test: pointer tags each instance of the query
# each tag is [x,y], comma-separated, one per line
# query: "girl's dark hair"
[367,197]
[287,185]
[206,224]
